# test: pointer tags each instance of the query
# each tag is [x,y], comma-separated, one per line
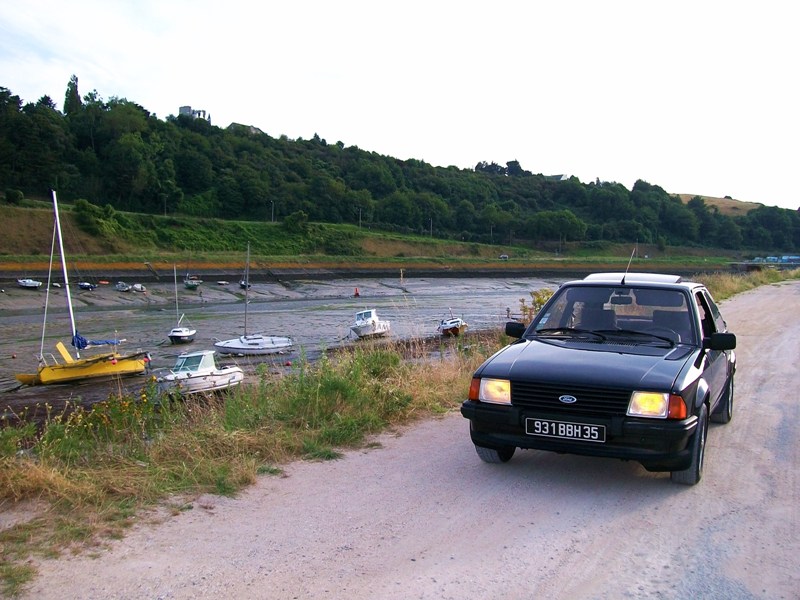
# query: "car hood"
[604,366]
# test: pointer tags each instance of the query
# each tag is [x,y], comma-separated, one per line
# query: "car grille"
[590,400]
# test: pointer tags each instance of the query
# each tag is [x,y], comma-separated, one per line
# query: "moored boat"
[180,334]
[29,284]
[255,343]
[367,324]
[121,286]
[192,282]
[452,326]
[197,372]
[73,369]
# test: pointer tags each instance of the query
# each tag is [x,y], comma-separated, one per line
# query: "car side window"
[720,323]
[706,316]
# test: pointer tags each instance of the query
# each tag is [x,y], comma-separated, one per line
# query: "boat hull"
[107,365]
[255,345]
[29,284]
[182,335]
[220,379]
[377,329]
[452,327]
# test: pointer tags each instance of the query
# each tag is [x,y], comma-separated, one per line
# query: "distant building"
[195,114]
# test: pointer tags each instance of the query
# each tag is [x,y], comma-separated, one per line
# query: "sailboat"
[73,369]
[180,334]
[254,343]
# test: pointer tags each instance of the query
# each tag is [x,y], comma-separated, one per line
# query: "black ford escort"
[623,365]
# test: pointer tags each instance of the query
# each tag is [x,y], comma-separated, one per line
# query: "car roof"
[633,278]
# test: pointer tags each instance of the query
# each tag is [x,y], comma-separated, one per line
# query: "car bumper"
[659,445]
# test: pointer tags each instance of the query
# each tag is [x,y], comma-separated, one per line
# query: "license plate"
[565,430]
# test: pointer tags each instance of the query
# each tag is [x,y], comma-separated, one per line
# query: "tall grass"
[94,469]
[723,285]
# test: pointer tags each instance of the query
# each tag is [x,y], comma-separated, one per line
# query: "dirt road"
[422,517]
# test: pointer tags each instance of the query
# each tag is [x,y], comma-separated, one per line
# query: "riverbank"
[269,270]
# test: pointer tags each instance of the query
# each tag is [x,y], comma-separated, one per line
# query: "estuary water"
[316,314]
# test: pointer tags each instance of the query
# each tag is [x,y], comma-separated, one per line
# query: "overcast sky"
[696,97]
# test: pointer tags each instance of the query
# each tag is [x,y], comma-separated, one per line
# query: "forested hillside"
[114,153]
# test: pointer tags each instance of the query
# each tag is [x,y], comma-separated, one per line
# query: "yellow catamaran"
[72,369]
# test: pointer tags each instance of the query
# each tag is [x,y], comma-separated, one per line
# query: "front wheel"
[724,411]
[493,455]
[697,446]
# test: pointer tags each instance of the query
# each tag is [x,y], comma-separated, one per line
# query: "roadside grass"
[94,472]
[723,285]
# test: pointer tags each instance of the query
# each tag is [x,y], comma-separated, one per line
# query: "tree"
[72,99]
[297,222]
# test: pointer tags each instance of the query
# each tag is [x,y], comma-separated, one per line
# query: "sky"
[698,97]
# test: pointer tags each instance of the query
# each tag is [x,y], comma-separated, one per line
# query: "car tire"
[724,412]
[697,445]
[494,455]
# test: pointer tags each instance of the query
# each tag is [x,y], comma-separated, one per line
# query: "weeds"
[95,468]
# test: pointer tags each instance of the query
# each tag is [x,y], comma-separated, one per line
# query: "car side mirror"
[515,329]
[720,341]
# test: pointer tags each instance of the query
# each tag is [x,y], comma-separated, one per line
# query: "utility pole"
[272,202]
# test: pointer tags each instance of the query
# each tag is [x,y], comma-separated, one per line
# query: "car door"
[716,370]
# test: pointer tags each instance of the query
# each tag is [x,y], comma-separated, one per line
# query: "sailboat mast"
[177,310]
[246,286]
[64,268]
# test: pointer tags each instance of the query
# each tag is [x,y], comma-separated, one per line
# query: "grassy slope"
[26,237]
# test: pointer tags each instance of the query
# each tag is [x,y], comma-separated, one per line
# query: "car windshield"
[618,310]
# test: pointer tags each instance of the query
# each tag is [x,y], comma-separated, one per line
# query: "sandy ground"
[420,516]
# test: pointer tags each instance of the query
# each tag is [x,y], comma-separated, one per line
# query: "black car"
[623,365]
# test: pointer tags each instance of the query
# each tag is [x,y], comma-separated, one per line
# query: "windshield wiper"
[644,333]
[566,332]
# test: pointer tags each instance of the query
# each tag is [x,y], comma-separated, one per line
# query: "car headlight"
[494,391]
[657,405]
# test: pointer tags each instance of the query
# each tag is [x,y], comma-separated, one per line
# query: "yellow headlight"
[496,391]
[649,404]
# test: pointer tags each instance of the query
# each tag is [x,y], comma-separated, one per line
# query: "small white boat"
[367,324]
[192,282]
[138,287]
[122,287]
[196,372]
[452,325]
[29,284]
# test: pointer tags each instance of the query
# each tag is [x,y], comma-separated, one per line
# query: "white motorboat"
[197,372]
[367,324]
[29,284]
[121,286]
[254,343]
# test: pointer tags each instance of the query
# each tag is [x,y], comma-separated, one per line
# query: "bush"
[14,196]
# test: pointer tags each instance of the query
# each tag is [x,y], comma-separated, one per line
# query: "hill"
[726,206]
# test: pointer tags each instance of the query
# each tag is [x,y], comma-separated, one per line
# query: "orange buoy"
[356,294]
